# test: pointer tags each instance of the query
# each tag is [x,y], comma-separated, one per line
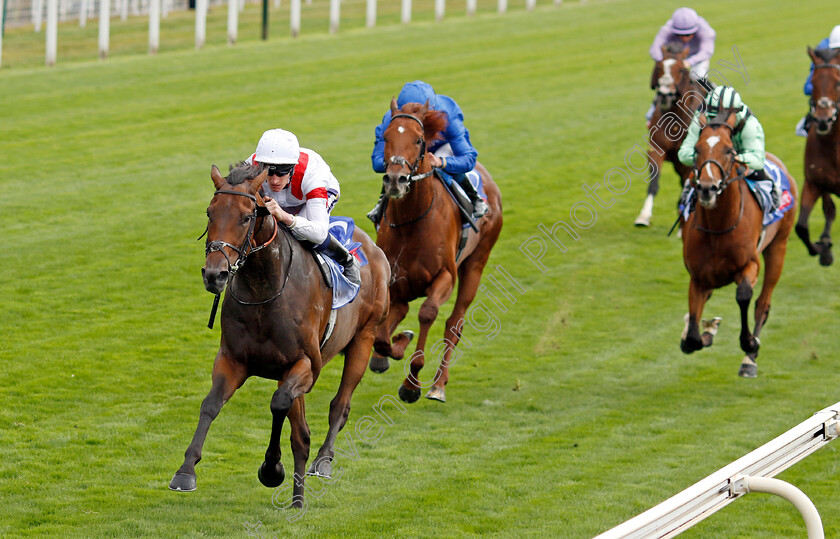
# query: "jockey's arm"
[686,151]
[659,41]
[377,158]
[706,36]
[463,154]
[313,221]
[751,149]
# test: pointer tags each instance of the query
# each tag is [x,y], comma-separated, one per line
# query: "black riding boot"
[479,206]
[375,214]
[340,254]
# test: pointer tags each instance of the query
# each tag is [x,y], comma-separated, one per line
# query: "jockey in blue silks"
[453,153]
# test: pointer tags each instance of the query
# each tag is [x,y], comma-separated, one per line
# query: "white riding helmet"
[278,147]
[834,38]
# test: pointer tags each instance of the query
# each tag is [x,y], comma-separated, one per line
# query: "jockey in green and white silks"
[747,137]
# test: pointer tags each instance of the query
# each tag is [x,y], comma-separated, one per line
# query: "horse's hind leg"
[824,245]
[355,359]
[228,376]
[297,381]
[809,197]
[655,166]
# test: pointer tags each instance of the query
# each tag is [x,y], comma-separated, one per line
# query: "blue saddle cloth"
[343,290]
[475,179]
[763,192]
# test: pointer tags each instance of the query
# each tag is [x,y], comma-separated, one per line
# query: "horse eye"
[419,141]
[246,219]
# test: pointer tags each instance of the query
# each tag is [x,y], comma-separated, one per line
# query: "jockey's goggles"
[280,170]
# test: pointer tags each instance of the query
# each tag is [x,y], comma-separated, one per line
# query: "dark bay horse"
[723,238]
[274,318]
[420,233]
[822,151]
[677,97]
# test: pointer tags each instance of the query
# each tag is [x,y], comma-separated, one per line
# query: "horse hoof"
[437,394]
[409,395]
[642,221]
[271,476]
[321,467]
[182,482]
[748,369]
[409,335]
[826,258]
[688,346]
[379,364]
[711,326]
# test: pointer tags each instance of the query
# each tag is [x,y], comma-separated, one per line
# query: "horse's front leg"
[692,340]
[300,447]
[809,197]
[297,381]
[655,167]
[437,294]
[824,245]
[383,346]
[749,342]
[228,376]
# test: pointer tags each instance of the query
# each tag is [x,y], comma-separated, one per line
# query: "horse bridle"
[245,249]
[824,101]
[403,162]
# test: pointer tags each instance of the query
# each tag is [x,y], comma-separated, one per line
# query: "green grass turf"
[580,413]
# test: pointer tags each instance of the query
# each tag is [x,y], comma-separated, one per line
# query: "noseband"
[402,161]
[245,249]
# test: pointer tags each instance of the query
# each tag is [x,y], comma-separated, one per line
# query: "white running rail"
[750,473]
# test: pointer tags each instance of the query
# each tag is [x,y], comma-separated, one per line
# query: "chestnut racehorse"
[723,237]
[420,233]
[274,318]
[822,151]
[677,97]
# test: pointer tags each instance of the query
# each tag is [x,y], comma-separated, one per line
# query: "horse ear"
[424,109]
[664,50]
[257,182]
[394,108]
[812,54]
[216,176]
[684,54]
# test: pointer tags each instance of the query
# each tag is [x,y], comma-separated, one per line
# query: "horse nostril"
[222,277]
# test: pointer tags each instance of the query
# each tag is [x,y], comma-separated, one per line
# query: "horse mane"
[826,55]
[434,122]
[242,172]
[674,48]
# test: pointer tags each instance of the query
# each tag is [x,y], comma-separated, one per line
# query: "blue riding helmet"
[417,92]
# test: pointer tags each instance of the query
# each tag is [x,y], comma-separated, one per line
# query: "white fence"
[24,11]
[750,473]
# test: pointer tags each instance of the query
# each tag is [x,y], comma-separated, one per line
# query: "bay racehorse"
[419,234]
[822,151]
[274,318]
[724,236]
[677,97]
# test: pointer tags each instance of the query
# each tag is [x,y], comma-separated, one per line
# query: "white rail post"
[530,4]
[335,14]
[405,12]
[502,6]
[471,4]
[440,9]
[233,21]
[200,23]
[371,13]
[294,18]
[154,26]
[37,14]
[83,13]
[52,32]
[104,28]
[769,485]
[123,10]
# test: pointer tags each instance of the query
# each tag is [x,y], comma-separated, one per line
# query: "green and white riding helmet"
[723,97]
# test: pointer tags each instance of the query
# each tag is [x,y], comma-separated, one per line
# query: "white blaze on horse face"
[401,129]
[709,169]
[666,81]
[711,141]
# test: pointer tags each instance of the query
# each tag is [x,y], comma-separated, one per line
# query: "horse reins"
[245,250]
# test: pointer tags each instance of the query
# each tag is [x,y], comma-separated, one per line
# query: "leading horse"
[724,236]
[275,319]
[420,233]
[822,151]
[677,97]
